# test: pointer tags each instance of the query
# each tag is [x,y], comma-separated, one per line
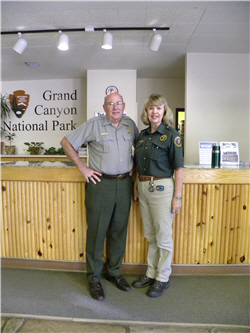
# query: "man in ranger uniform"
[108,188]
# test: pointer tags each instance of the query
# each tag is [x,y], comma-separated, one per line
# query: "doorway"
[179,115]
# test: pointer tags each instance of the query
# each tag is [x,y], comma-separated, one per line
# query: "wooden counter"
[43,216]
[26,157]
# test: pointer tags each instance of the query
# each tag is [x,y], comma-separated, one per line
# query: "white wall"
[44,111]
[99,80]
[217,102]
[172,89]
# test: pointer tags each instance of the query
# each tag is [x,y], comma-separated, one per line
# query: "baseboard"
[243,269]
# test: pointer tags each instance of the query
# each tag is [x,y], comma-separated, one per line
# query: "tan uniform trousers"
[157,222]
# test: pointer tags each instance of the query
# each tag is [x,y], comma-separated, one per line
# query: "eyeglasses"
[113,103]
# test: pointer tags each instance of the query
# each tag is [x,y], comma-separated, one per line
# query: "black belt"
[116,177]
[150,178]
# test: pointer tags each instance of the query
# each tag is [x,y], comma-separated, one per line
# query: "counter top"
[241,165]
[60,164]
[66,171]
[42,171]
[35,156]
[27,157]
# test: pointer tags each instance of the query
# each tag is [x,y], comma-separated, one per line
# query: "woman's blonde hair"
[156,99]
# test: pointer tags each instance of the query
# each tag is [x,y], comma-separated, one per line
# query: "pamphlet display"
[229,153]
[205,151]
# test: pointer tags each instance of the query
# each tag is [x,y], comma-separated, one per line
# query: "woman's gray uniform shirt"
[109,147]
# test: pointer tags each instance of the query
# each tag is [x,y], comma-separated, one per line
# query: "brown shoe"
[144,281]
[119,281]
[96,291]
[157,289]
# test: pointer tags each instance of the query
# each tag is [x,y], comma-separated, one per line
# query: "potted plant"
[34,148]
[10,150]
[6,113]
[54,151]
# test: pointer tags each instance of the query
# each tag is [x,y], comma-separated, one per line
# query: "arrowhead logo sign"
[19,102]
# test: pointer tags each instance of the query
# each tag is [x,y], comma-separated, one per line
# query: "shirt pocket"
[128,142]
[139,144]
[159,151]
[105,143]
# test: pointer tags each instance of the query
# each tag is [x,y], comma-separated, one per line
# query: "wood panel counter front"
[43,216]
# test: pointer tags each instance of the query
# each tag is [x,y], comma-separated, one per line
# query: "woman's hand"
[176,205]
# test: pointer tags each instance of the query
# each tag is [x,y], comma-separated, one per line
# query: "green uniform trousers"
[108,206]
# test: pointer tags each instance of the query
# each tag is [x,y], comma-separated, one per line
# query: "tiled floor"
[17,324]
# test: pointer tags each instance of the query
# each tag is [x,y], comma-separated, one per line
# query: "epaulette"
[171,129]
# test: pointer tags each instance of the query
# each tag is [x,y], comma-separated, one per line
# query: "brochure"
[229,153]
[205,151]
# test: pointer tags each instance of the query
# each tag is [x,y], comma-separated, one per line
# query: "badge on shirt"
[177,141]
[128,129]
[163,138]
[104,133]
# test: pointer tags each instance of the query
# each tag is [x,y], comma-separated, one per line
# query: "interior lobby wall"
[217,102]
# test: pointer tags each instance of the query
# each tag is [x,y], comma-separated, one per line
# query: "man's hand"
[90,174]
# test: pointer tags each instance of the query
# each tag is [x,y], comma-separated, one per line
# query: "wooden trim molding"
[216,176]
[127,268]
[66,173]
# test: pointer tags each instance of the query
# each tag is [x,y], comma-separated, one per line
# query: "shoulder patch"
[177,141]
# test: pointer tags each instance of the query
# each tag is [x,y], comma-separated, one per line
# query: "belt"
[117,177]
[150,178]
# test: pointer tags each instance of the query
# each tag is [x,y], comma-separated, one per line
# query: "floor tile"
[12,325]
[49,326]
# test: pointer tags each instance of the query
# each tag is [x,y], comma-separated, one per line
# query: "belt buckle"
[120,177]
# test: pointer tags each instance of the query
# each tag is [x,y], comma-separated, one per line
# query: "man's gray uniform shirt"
[109,147]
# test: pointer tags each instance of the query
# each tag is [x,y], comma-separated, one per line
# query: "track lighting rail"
[82,29]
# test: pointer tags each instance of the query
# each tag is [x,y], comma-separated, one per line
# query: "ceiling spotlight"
[155,41]
[107,39]
[63,41]
[21,44]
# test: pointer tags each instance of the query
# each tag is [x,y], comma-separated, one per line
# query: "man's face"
[114,107]
[182,127]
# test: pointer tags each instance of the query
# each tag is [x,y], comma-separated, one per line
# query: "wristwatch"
[179,198]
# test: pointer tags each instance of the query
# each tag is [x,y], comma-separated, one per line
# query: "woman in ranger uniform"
[158,187]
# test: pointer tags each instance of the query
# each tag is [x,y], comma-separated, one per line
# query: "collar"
[107,121]
[160,129]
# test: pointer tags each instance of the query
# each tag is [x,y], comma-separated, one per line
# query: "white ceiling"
[195,26]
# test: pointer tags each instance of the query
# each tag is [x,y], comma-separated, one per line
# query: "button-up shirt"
[160,153]
[109,147]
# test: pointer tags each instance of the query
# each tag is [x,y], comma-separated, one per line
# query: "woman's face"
[155,114]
